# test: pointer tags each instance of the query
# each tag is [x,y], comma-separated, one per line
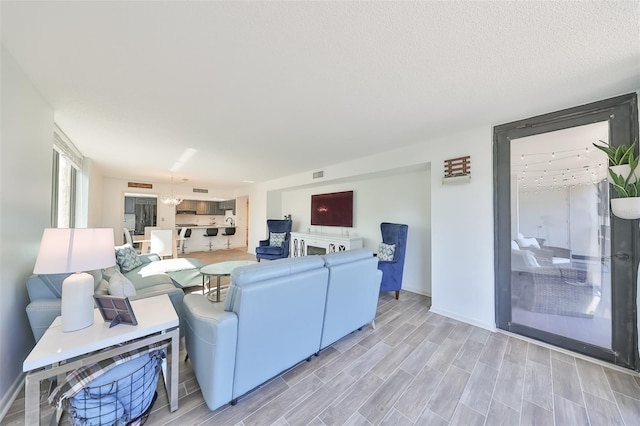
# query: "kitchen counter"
[205,226]
[200,242]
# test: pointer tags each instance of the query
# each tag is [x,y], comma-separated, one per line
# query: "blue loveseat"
[277,314]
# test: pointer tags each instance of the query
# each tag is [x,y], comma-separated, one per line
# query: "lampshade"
[75,250]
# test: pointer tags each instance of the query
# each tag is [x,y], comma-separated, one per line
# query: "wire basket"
[127,400]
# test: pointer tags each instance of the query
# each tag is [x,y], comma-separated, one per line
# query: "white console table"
[157,323]
[305,244]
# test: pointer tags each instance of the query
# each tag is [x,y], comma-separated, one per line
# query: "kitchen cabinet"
[214,207]
[227,205]
[206,207]
[187,206]
[129,205]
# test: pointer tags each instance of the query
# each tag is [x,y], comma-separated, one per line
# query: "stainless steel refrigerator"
[145,216]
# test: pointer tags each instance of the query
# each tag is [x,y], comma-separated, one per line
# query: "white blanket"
[167,265]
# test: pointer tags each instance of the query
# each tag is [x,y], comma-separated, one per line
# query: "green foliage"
[621,154]
[622,185]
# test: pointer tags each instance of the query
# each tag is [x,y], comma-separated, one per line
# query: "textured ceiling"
[260,90]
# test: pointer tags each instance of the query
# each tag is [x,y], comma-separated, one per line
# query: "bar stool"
[228,232]
[187,234]
[211,232]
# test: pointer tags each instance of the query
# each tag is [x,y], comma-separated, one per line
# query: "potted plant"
[627,205]
[621,160]
[623,176]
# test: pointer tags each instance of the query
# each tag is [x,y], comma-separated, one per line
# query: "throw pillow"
[530,259]
[127,258]
[119,285]
[386,252]
[528,242]
[103,287]
[277,238]
[514,245]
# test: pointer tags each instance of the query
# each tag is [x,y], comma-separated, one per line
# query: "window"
[67,162]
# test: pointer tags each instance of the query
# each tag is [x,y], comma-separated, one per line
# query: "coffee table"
[219,270]
[157,323]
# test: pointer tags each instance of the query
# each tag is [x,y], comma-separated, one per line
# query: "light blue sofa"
[277,314]
[152,278]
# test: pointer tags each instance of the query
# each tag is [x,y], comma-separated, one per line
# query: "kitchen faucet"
[230,220]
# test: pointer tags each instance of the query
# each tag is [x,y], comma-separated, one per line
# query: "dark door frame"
[622,114]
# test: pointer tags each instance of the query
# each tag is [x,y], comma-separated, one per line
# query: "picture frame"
[115,310]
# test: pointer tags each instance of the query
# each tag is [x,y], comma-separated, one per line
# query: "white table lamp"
[75,250]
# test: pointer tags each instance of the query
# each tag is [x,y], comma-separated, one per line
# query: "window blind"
[64,146]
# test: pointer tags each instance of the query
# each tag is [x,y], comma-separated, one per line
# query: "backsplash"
[199,220]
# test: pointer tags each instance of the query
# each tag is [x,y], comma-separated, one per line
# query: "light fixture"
[75,251]
[171,199]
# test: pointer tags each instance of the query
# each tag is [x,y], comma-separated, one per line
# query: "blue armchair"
[275,247]
[396,234]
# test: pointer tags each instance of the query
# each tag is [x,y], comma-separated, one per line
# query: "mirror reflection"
[560,234]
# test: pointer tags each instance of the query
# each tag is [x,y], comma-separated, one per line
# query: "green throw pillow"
[127,258]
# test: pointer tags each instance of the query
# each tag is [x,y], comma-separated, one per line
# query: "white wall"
[545,215]
[94,194]
[25,184]
[377,199]
[463,231]
[462,284]
[566,218]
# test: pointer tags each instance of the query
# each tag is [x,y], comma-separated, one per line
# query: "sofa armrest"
[263,243]
[41,314]
[211,335]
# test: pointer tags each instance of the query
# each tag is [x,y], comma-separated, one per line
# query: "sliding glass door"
[565,267]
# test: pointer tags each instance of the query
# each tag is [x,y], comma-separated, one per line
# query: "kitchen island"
[199,242]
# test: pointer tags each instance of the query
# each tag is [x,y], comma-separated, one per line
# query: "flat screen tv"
[333,209]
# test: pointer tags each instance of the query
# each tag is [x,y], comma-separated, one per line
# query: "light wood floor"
[417,367]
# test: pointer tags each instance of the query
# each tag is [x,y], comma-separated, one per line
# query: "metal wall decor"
[457,170]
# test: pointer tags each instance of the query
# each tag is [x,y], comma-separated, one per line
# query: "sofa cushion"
[127,258]
[523,260]
[386,252]
[119,285]
[157,290]
[182,272]
[140,282]
[277,238]
[103,287]
[269,250]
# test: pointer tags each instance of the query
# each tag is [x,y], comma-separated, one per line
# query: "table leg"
[175,348]
[31,401]
[218,289]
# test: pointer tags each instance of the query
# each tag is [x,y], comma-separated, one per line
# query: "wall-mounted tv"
[333,209]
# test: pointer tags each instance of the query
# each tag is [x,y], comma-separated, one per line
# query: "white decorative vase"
[626,208]
[624,170]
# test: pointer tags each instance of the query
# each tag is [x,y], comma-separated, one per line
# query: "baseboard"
[455,316]
[9,397]
[412,290]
